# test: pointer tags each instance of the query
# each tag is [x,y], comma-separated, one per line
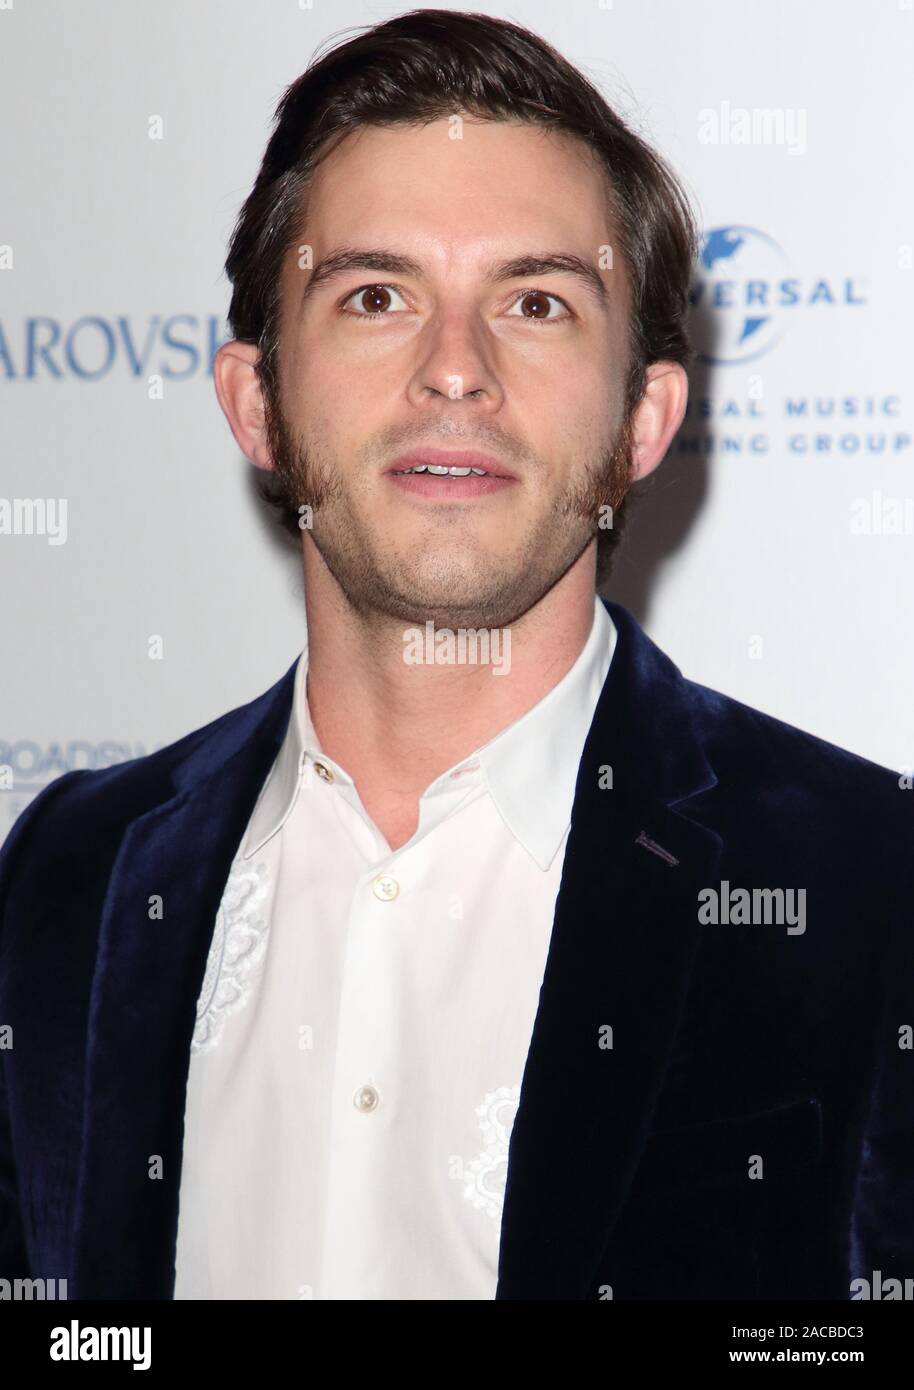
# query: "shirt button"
[323,772]
[385,888]
[365,1098]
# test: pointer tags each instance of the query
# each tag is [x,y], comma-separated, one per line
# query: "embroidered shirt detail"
[485,1176]
[237,948]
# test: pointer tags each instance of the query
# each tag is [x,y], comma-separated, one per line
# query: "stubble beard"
[447,589]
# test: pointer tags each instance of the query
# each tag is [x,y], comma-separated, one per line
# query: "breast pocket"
[729,1150]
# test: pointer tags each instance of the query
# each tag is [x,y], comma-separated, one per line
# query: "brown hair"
[419,67]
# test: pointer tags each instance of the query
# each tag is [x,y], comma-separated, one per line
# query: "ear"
[240,395]
[657,416]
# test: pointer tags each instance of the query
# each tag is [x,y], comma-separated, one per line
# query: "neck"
[395,727]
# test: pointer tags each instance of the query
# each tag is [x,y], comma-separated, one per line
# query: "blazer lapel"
[148,975]
[623,941]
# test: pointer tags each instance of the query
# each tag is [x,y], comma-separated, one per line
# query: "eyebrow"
[338,263]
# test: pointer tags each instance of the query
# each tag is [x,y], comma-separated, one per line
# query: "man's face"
[528,370]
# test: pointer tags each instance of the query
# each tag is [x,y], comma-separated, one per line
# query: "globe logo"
[737,305]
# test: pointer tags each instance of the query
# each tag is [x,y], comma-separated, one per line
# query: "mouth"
[445,473]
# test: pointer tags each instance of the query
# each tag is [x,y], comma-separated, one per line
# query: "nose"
[455,363]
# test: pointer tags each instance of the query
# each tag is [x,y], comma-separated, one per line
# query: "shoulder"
[770,756]
[791,807]
[784,776]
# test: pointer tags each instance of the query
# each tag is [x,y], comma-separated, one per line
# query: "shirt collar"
[530,767]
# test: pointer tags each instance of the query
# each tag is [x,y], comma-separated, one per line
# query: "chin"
[454,597]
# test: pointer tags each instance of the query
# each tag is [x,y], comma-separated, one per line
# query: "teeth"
[440,471]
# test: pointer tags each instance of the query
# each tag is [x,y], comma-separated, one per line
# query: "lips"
[479,464]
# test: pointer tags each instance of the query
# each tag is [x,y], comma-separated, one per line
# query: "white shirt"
[366,1015]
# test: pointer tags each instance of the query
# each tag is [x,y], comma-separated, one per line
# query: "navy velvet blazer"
[633,1167]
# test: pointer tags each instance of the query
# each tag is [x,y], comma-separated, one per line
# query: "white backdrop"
[771,557]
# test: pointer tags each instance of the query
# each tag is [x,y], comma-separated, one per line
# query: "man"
[484,955]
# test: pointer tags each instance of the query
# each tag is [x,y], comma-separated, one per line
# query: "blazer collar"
[623,939]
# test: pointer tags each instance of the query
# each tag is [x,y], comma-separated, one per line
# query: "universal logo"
[467,646]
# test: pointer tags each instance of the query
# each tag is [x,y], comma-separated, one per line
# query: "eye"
[374,299]
[537,299]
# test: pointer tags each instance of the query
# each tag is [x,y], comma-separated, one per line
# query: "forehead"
[458,189]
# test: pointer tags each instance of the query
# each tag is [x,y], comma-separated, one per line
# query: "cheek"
[321,396]
[354,389]
[554,414]
[570,382]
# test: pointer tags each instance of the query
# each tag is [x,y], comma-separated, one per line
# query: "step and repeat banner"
[145,589]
